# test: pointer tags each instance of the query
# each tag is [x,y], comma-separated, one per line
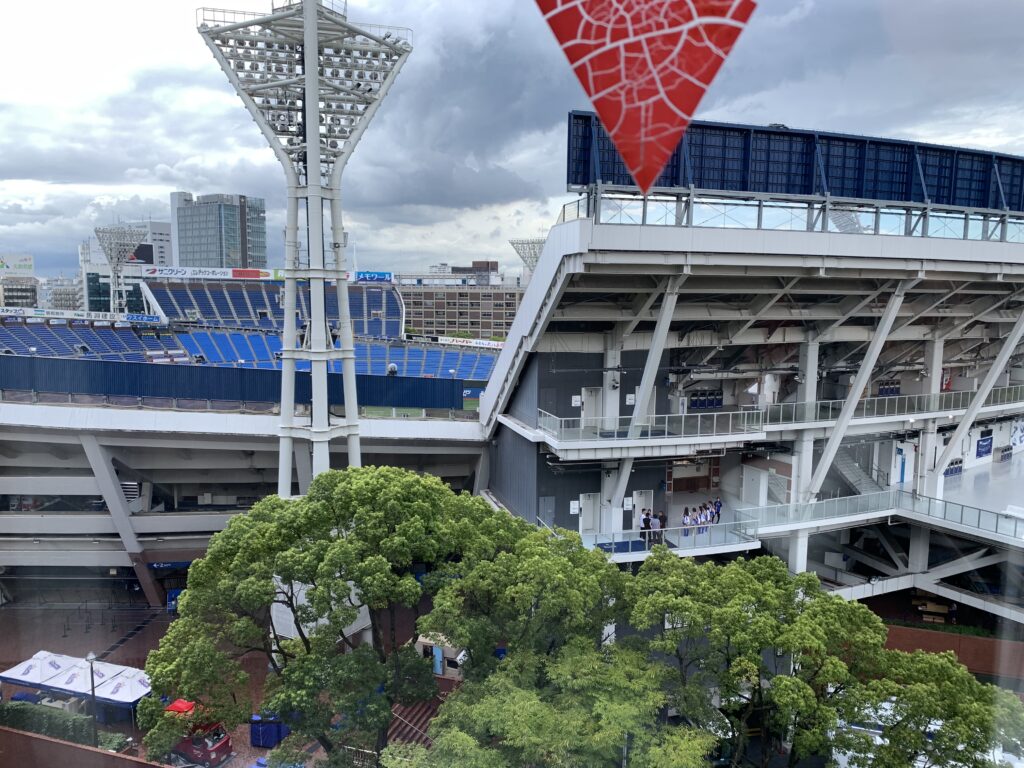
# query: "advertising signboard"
[77,314]
[375,277]
[21,265]
[984,447]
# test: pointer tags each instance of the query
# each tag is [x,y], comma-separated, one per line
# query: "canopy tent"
[76,680]
[124,690]
[115,684]
[39,670]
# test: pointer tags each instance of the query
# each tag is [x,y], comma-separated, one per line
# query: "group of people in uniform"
[696,522]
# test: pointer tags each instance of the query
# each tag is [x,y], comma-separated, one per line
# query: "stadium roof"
[777,160]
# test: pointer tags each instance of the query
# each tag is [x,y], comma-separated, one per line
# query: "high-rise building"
[19,292]
[64,293]
[218,231]
[450,300]
[156,247]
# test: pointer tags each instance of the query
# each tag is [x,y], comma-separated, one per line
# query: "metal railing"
[680,539]
[896,405]
[26,396]
[747,210]
[895,501]
[983,520]
[650,427]
[815,511]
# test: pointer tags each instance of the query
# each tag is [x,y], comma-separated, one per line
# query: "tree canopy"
[569,659]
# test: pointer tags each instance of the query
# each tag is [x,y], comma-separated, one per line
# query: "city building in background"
[478,300]
[156,248]
[218,231]
[64,293]
[18,285]
[19,292]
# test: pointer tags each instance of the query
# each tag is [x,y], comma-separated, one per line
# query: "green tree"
[934,713]
[351,553]
[833,645]
[582,707]
[776,650]
[532,596]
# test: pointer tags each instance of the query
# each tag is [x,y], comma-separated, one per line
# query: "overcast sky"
[108,107]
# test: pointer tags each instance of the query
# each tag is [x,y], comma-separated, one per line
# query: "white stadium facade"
[824,331]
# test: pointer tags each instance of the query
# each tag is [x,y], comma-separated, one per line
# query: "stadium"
[822,330]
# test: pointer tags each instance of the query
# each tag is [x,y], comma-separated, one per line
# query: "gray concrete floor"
[990,486]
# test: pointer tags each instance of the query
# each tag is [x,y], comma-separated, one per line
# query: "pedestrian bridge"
[754,524]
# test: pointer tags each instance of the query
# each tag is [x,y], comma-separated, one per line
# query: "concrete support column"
[288,338]
[318,335]
[303,467]
[110,487]
[920,541]
[798,551]
[803,466]
[482,476]
[926,479]
[860,381]
[803,446]
[653,363]
[611,490]
[807,387]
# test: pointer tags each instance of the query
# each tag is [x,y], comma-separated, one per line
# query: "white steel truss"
[119,244]
[312,80]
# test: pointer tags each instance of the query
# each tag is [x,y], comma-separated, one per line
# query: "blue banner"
[374,277]
[984,447]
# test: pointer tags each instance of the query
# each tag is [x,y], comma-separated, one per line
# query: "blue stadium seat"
[260,350]
[432,362]
[207,348]
[414,362]
[188,342]
[466,365]
[207,314]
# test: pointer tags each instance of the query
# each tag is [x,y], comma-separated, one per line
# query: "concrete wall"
[981,655]
[513,473]
[523,405]
[18,748]
[561,375]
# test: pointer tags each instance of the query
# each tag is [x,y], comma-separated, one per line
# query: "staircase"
[778,489]
[853,474]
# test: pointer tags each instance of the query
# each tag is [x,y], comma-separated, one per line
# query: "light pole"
[91,658]
[312,81]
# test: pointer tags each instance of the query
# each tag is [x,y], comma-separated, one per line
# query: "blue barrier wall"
[196,382]
[779,160]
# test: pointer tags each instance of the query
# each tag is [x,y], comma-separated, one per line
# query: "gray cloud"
[469,149]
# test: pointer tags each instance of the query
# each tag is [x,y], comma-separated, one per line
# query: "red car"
[207,745]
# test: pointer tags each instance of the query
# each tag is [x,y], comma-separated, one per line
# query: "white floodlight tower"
[529,250]
[119,244]
[312,80]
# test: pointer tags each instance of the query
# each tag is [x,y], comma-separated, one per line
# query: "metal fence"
[681,539]
[896,405]
[651,427]
[27,396]
[796,213]
[895,501]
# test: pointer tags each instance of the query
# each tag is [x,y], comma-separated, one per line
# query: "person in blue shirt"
[718,510]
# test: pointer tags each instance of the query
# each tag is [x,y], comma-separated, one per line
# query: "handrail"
[181,404]
[654,427]
[809,213]
[893,405]
[678,539]
[894,501]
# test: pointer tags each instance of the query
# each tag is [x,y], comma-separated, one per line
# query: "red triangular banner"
[646,65]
